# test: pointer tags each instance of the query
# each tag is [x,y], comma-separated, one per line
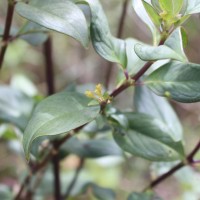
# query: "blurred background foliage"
[24,70]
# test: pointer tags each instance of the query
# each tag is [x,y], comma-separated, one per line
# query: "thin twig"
[73,182]
[26,182]
[119,35]
[6,35]
[135,77]
[39,166]
[56,171]
[189,161]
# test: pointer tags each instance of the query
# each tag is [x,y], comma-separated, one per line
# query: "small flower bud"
[89,94]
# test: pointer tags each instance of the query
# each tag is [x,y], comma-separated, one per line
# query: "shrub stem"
[6,35]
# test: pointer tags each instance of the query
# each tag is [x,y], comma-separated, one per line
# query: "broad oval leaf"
[58,114]
[11,109]
[100,193]
[176,80]
[149,138]
[152,53]
[33,33]
[192,7]
[62,16]
[107,46]
[142,196]
[173,48]
[149,103]
[141,12]
[94,148]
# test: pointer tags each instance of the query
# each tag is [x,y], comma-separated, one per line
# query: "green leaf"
[149,138]
[107,46]
[176,80]
[173,48]
[149,103]
[171,6]
[58,114]
[11,109]
[134,62]
[62,16]
[156,5]
[155,17]
[33,33]
[142,196]
[192,7]
[141,12]
[153,53]
[5,193]
[101,193]
[93,148]
[177,41]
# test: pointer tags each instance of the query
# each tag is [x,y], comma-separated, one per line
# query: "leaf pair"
[153,12]
[63,16]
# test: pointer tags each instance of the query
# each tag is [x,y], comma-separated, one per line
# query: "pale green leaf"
[141,12]
[153,53]
[149,138]
[156,5]
[58,114]
[142,196]
[172,49]
[62,16]
[155,17]
[177,41]
[11,109]
[107,46]
[149,103]
[93,148]
[176,80]
[171,6]
[100,193]
[33,33]
[193,6]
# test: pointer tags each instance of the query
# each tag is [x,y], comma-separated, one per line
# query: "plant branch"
[40,165]
[135,77]
[119,35]
[26,182]
[51,89]
[189,161]
[122,19]
[56,170]
[49,66]
[6,35]
[73,182]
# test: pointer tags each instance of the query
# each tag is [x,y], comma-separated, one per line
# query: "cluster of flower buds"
[98,94]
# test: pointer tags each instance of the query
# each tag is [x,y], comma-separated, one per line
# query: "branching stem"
[189,161]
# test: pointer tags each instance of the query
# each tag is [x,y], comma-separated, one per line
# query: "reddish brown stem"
[49,66]
[9,17]
[189,161]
